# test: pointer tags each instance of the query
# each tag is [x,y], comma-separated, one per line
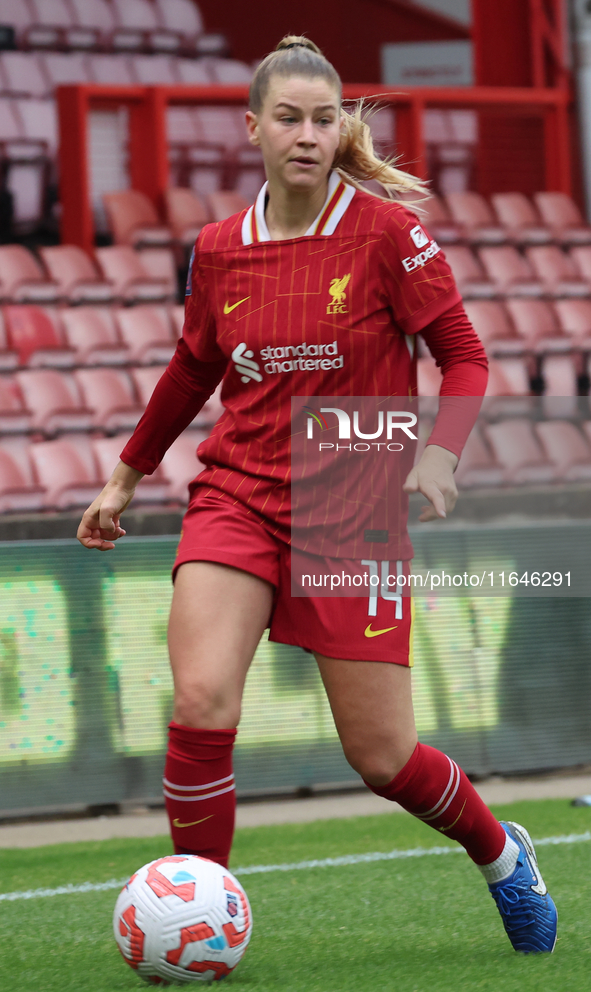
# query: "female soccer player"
[340,281]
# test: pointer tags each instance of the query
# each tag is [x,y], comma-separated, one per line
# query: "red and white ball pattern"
[182,919]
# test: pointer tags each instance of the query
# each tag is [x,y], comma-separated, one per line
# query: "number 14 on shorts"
[384,584]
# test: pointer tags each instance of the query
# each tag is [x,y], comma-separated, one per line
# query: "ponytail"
[356,161]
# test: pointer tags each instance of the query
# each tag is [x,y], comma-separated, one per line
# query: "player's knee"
[378,762]
[199,705]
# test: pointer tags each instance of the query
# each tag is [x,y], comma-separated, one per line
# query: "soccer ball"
[182,919]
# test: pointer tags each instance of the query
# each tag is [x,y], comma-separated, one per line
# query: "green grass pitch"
[417,925]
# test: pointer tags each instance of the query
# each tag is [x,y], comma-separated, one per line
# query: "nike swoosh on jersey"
[376,633]
[228,308]
[177,823]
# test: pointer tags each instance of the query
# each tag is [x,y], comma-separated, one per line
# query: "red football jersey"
[332,313]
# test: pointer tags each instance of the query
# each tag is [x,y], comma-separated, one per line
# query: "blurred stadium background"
[121,135]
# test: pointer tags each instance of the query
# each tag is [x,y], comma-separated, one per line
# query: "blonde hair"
[356,160]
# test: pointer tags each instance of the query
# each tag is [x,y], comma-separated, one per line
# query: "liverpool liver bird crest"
[337,288]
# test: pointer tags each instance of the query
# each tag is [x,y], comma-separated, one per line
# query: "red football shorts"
[369,621]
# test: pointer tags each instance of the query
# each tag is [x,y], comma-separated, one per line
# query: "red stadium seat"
[57,14]
[194,72]
[133,219]
[22,74]
[186,213]
[153,488]
[557,271]
[22,279]
[180,463]
[54,400]
[517,449]
[75,273]
[160,265]
[96,15]
[560,376]
[567,448]
[64,474]
[508,377]
[560,213]
[492,323]
[438,220]
[92,333]
[17,15]
[147,332]
[64,69]
[177,316]
[139,27]
[183,16]
[36,337]
[574,317]
[145,380]
[537,325]
[16,493]
[230,72]
[472,281]
[510,271]
[110,395]
[110,69]
[39,119]
[154,70]
[517,214]
[472,212]
[9,359]
[14,417]
[581,258]
[477,466]
[132,282]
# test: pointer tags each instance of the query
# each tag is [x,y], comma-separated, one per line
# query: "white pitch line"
[347,859]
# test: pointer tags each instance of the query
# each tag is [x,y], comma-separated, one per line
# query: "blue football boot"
[527,910]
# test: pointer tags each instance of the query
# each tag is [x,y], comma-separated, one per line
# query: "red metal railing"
[148,152]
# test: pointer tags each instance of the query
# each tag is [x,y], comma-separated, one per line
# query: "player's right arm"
[100,526]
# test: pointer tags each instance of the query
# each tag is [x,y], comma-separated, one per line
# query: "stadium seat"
[194,72]
[560,213]
[109,394]
[508,377]
[9,358]
[510,271]
[186,213]
[16,493]
[110,69]
[57,13]
[537,325]
[223,126]
[153,488]
[96,15]
[122,266]
[472,212]
[184,17]
[230,72]
[10,125]
[574,317]
[492,323]
[438,221]
[517,449]
[147,332]
[39,118]
[21,75]
[177,316]
[557,271]
[18,15]
[581,258]
[517,214]
[180,463]
[35,336]
[92,333]
[567,448]
[160,265]
[75,273]
[22,279]
[225,203]
[138,27]
[471,278]
[15,418]
[477,466]
[54,401]
[133,219]
[64,474]
[154,70]
[62,69]
[559,373]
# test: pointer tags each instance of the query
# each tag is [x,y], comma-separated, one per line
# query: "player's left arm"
[459,353]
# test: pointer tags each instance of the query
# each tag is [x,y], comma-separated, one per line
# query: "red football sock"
[199,791]
[432,787]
